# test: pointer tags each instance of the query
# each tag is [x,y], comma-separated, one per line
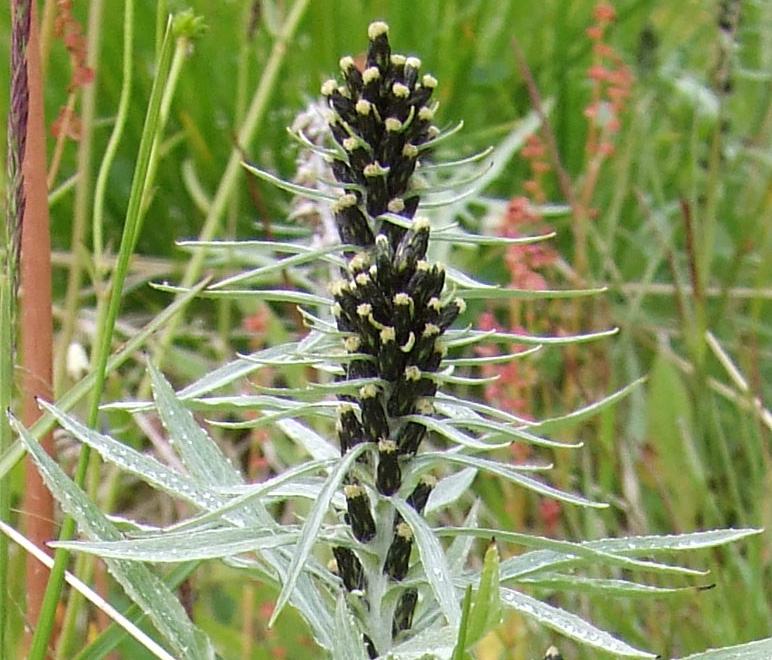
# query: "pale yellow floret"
[412,373]
[368,391]
[421,223]
[430,330]
[363,107]
[329,86]
[396,205]
[428,80]
[410,150]
[387,446]
[388,334]
[352,491]
[377,29]
[343,202]
[404,531]
[352,343]
[400,91]
[370,74]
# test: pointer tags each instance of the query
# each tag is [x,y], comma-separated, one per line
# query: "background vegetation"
[661,191]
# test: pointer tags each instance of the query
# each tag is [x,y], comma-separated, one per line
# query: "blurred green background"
[676,225]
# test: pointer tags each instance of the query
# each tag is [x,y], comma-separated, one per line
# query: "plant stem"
[36,317]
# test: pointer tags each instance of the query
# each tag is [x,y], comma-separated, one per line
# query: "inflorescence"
[389,302]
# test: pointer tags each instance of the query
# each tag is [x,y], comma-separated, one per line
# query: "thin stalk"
[7,340]
[181,48]
[225,306]
[115,137]
[246,134]
[46,34]
[67,636]
[35,314]
[15,202]
[108,319]
[82,193]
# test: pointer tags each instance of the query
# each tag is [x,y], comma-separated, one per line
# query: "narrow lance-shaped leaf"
[434,562]
[142,586]
[486,611]
[569,624]
[199,452]
[347,640]
[311,526]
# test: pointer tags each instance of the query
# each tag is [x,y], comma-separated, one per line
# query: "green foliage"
[686,451]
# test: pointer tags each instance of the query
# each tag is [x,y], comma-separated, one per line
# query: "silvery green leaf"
[453,434]
[452,406]
[249,246]
[186,546]
[347,641]
[431,643]
[674,542]
[312,255]
[759,650]
[453,164]
[569,624]
[198,451]
[319,448]
[311,193]
[316,409]
[444,134]
[128,459]
[142,586]
[502,293]
[569,550]
[601,586]
[311,358]
[268,295]
[491,359]
[556,423]
[434,562]
[304,140]
[315,390]
[543,560]
[511,473]
[461,238]
[449,489]
[497,429]
[229,373]
[312,525]
[464,337]
[447,377]
[459,549]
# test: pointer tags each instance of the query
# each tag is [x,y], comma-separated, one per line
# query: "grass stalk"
[36,329]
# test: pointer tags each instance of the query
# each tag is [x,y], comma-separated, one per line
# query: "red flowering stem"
[35,308]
